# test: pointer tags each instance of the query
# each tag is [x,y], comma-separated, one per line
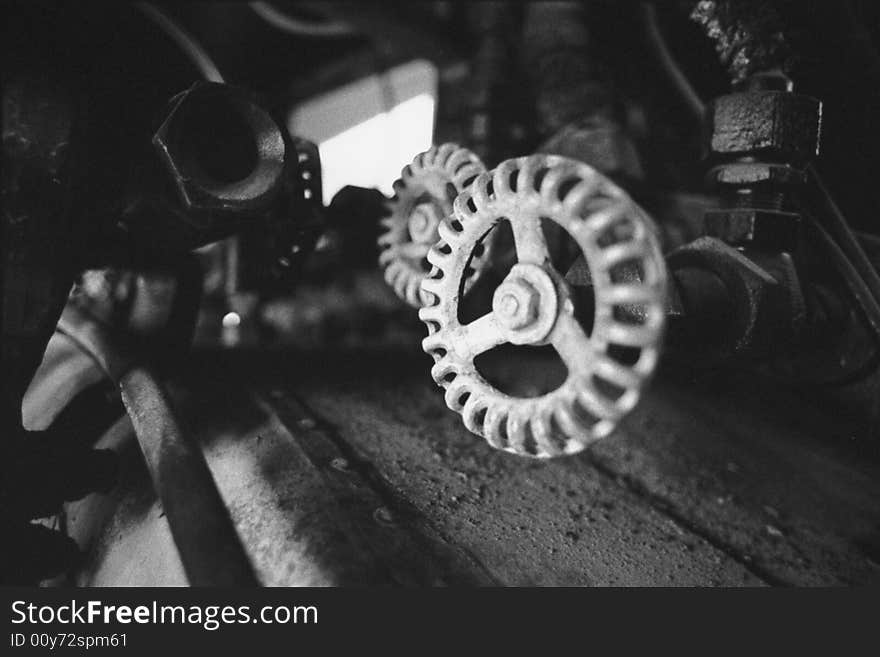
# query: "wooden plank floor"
[717,481]
[343,466]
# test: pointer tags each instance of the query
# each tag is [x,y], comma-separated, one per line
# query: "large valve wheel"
[609,365]
[423,198]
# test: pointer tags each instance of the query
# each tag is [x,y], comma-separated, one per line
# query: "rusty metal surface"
[242,173]
[776,124]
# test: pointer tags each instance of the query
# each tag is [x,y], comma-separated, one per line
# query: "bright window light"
[372,153]
[369,130]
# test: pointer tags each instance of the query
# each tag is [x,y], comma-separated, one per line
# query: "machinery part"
[156,307]
[424,194]
[495,120]
[754,307]
[242,171]
[273,251]
[58,127]
[258,182]
[578,114]
[762,138]
[600,142]
[607,366]
[760,142]
[778,125]
[205,537]
[737,305]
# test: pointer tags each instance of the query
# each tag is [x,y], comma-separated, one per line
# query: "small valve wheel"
[423,198]
[608,365]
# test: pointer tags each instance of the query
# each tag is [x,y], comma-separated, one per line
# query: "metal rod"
[209,546]
[206,539]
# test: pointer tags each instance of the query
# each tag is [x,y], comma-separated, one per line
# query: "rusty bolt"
[756,173]
[775,124]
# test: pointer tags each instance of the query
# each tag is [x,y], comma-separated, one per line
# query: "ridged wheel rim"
[436,176]
[612,232]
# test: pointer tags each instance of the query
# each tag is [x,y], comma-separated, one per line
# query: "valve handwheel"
[609,365]
[423,198]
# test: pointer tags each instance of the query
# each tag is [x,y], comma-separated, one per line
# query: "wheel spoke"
[479,336]
[531,245]
[571,343]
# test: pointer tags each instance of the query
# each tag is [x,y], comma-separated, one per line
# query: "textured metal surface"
[756,298]
[273,250]
[775,124]
[534,305]
[423,196]
[577,106]
[194,187]
[253,141]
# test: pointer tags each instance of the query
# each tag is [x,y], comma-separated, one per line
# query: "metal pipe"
[209,546]
[210,549]
[667,62]
[184,40]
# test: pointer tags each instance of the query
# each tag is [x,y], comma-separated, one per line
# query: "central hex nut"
[516,303]
[423,223]
[525,305]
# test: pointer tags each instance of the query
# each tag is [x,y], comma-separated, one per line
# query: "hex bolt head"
[516,304]
[776,123]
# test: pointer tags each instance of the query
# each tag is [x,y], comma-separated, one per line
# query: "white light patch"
[369,129]
[372,153]
[231,320]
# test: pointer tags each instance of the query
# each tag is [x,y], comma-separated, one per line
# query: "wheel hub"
[423,223]
[526,304]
